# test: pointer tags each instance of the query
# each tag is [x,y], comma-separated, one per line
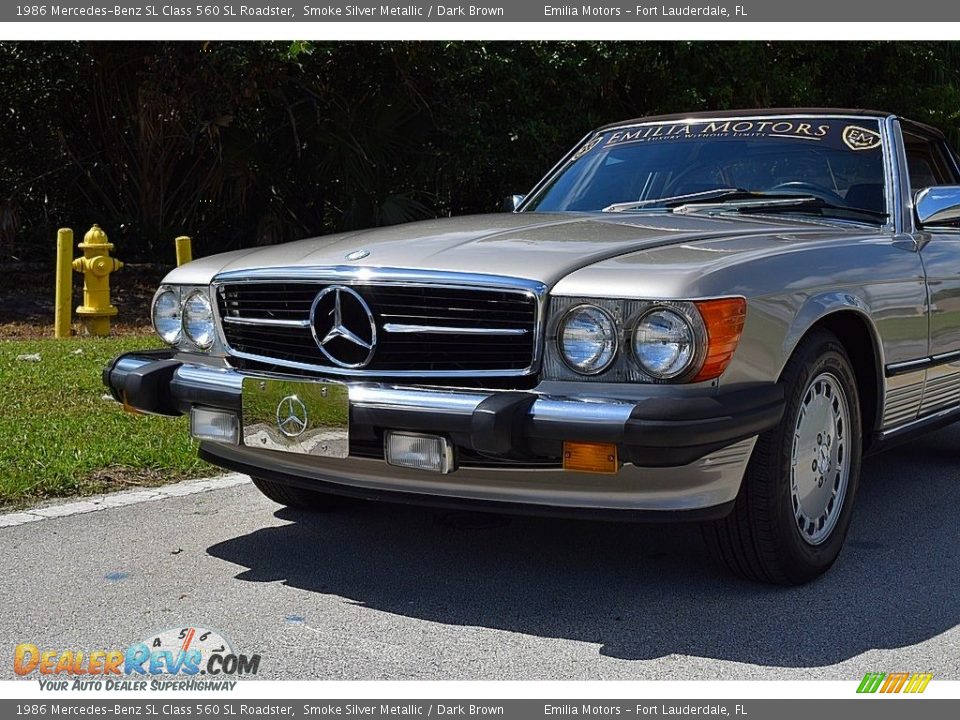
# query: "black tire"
[299,498]
[761,539]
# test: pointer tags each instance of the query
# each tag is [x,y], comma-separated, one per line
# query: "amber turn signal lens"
[723,319]
[127,407]
[590,457]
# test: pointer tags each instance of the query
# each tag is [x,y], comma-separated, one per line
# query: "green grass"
[59,436]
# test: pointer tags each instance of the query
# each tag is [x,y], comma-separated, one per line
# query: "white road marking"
[119,499]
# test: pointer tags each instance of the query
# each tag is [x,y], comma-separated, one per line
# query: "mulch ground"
[27,299]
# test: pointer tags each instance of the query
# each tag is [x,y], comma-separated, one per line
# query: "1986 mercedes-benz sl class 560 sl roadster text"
[708,317]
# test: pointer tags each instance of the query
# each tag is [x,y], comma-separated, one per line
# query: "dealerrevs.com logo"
[892,683]
[189,658]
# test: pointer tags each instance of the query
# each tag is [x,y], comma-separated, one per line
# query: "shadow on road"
[643,591]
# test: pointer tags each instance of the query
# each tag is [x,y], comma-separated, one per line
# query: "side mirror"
[512,202]
[938,205]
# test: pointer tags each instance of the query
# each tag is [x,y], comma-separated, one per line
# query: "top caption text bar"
[481,11]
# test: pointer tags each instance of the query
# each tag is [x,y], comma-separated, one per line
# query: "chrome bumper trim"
[447,402]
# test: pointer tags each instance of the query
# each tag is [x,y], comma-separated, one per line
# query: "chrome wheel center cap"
[823,463]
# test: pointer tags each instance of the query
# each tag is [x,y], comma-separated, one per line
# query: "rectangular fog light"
[216,425]
[418,451]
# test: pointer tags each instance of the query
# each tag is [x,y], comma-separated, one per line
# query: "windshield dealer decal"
[588,146]
[792,129]
[858,138]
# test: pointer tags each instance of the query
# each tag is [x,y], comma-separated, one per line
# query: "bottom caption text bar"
[875,709]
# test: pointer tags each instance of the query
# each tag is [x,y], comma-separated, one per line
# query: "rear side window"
[927,162]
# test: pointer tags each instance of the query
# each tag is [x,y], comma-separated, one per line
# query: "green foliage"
[58,434]
[255,143]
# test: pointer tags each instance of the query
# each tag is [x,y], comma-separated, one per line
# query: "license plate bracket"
[308,417]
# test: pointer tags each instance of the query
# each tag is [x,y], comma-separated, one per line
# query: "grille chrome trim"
[267,322]
[444,330]
[372,275]
[388,277]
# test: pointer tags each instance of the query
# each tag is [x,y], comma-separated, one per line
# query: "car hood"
[534,246]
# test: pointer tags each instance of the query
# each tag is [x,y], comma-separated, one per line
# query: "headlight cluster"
[166,316]
[588,339]
[184,316]
[198,319]
[662,341]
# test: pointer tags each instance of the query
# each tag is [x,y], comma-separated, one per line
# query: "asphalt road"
[390,592]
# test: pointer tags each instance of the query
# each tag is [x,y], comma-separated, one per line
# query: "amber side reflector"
[723,319]
[590,457]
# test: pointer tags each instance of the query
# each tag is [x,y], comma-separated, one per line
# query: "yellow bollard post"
[63,297]
[184,250]
[96,266]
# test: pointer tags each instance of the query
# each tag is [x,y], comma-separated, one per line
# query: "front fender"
[819,306]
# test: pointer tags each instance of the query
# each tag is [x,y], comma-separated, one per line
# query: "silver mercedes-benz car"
[710,316]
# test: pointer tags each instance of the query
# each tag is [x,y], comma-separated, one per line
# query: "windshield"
[643,168]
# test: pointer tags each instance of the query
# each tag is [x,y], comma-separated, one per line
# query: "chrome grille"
[421,329]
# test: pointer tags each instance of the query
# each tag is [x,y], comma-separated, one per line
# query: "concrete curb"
[119,499]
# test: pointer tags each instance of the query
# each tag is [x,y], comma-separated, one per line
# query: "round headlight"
[198,319]
[663,343]
[166,316]
[587,339]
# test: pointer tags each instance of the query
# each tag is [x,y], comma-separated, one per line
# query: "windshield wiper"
[786,203]
[746,201]
[703,196]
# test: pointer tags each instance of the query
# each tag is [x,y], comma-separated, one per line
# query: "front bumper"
[682,453]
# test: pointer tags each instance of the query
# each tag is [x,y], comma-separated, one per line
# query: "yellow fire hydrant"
[96,266]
